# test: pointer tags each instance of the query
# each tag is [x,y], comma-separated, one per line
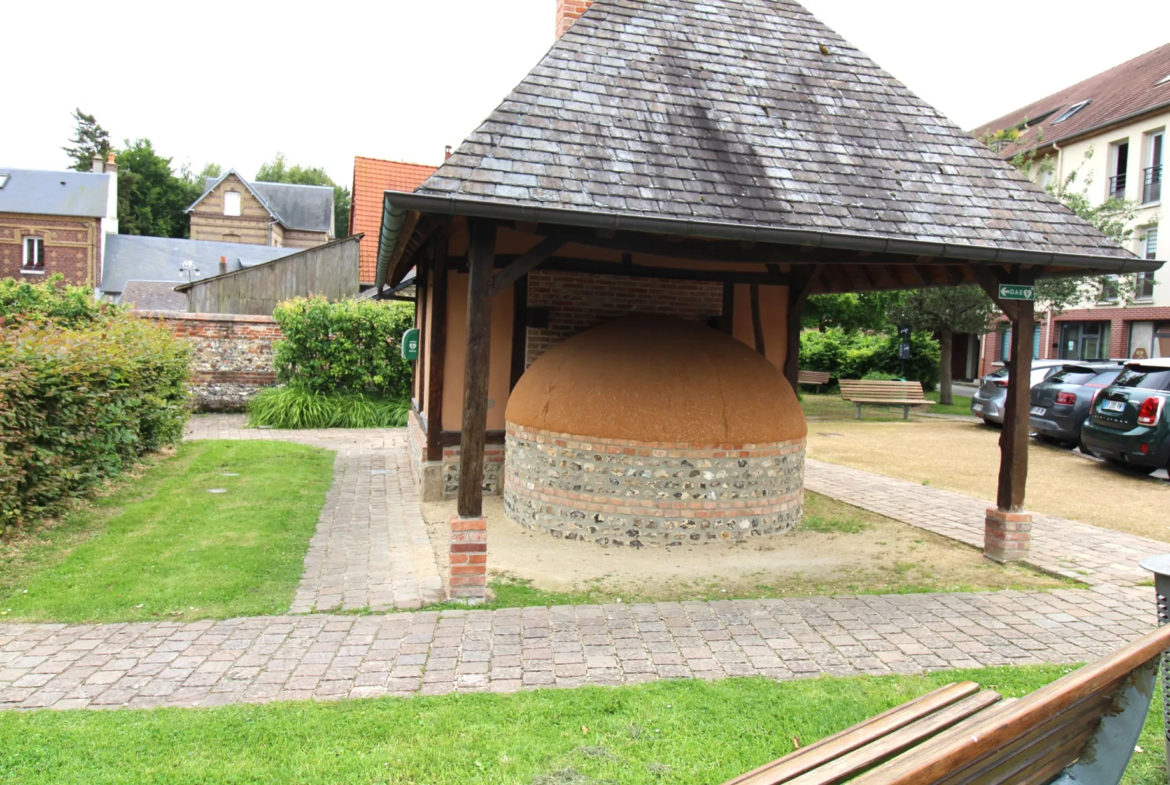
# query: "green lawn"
[667,732]
[829,406]
[164,547]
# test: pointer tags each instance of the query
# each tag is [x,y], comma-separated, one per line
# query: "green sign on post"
[1009,291]
[410,344]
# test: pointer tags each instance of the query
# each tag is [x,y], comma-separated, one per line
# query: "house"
[57,222]
[234,210]
[676,174]
[144,271]
[372,177]
[1110,130]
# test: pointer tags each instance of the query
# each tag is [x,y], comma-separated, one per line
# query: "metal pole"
[1160,566]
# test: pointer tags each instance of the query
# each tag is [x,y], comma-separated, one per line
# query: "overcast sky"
[235,82]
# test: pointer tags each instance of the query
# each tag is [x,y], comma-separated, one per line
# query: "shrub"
[296,407]
[881,376]
[79,405]
[349,346]
[51,300]
[855,355]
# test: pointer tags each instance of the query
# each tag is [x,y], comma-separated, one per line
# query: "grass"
[669,732]
[295,408]
[830,407]
[163,546]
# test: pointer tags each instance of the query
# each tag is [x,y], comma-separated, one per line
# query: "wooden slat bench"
[904,394]
[1081,728]
[817,379]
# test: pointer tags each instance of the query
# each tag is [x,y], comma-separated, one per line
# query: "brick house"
[372,177]
[234,210]
[1111,130]
[57,222]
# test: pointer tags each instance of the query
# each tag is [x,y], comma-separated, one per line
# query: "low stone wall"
[232,355]
[439,479]
[616,492]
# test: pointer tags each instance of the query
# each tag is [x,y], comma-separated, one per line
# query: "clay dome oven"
[654,431]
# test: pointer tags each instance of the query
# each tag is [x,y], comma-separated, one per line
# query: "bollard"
[1160,566]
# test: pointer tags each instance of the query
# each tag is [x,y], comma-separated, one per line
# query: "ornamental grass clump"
[80,404]
[341,366]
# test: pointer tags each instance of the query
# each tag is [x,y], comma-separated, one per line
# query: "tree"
[152,200]
[851,312]
[278,171]
[946,311]
[89,141]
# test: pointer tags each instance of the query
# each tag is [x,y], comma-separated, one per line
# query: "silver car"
[989,400]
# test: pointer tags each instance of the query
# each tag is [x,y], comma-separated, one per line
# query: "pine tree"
[89,141]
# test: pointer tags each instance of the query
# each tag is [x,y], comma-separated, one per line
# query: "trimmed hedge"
[857,355]
[352,346]
[51,300]
[79,405]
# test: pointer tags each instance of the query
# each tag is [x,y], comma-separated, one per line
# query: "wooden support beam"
[1013,466]
[481,262]
[574,265]
[438,349]
[727,317]
[990,282]
[526,263]
[420,321]
[519,331]
[798,294]
[757,320]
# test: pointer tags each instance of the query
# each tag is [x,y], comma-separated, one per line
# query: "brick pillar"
[468,553]
[1007,536]
[569,11]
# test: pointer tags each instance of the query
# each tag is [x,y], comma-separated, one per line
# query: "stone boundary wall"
[439,479]
[233,355]
[617,492]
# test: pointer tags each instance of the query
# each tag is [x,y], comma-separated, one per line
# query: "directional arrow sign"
[1013,292]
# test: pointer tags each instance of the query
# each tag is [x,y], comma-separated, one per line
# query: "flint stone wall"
[616,492]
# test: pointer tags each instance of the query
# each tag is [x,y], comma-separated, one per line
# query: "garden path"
[371,549]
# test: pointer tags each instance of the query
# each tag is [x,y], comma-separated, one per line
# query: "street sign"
[410,344]
[904,351]
[904,332]
[1009,291]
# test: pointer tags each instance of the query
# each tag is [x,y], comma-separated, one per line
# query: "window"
[231,203]
[1149,250]
[1085,340]
[1005,344]
[1067,113]
[34,255]
[1152,175]
[3,180]
[1145,378]
[1118,166]
[1108,289]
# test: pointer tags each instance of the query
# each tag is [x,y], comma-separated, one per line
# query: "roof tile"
[371,178]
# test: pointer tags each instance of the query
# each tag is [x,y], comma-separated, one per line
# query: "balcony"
[1152,185]
[1117,186]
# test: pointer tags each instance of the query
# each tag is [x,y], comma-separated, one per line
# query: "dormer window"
[3,180]
[231,203]
[1067,113]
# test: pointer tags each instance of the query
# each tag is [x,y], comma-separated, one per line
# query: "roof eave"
[1091,130]
[397,205]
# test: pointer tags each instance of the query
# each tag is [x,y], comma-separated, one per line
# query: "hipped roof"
[729,117]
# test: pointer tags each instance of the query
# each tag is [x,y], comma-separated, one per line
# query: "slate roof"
[82,194]
[153,296]
[137,258]
[748,113]
[1131,89]
[372,177]
[307,208]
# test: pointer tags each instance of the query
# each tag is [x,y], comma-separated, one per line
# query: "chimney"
[568,11]
[97,165]
[447,153]
[111,164]
[222,265]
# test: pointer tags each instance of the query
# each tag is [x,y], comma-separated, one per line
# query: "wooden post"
[519,330]
[799,289]
[757,319]
[481,263]
[438,352]
[727,317]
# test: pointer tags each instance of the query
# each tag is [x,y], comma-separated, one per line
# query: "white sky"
[234,82]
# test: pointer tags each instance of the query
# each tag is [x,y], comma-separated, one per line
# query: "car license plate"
[1114,406]
[977,407]
[1039,410]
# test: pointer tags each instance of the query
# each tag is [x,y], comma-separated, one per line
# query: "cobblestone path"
[371,548]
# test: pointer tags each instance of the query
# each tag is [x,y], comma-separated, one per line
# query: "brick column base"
[468,577]
[1007,536]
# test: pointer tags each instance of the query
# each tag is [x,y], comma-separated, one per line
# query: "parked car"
[989,400]
[1061,402]
[1129,421]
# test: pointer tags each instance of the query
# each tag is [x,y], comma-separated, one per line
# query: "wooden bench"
[817,379]
[904,394]
[1081,728]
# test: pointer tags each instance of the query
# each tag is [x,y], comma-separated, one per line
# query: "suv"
[990,399]
[1129,421]
[1060,403]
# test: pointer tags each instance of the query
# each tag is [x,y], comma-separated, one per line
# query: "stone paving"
[327,657]
[1071,549]
[371,549]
